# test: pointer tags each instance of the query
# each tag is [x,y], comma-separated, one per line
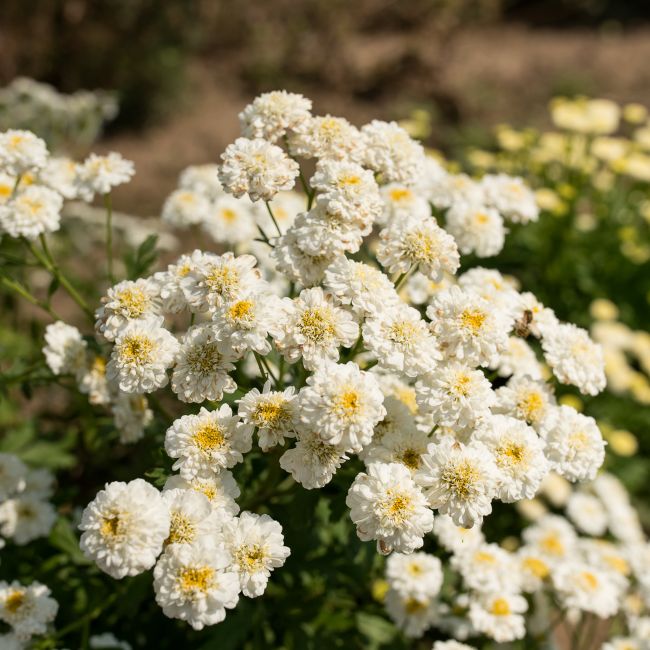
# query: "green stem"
[16,184]
[260,365]
[265,239]
[24,292]
[275,223]
[93,614]
[402,278]
[306,189]
[109,236]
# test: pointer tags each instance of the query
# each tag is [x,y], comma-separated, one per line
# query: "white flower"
[207,441]
[143,352]
[28,609]
[419,289]
[21,151]
[230,220]
[215,280]
[623,643]
[418,575]
[32,212]
[519,456]
[451,645]
[195,584]
[65,349]
[257,168]
[322,233]
[92,380]
[392,152]
[574,444]
[343,404]
[588,589]
[39,483]
[100,174]
[312,462]
[418,242]
[271,115]
[456,538]
[107,640]
[132,415]
[272,413]
[450,189]
[386,505]
[60,174]
[203,179]
[498,291]
[533,316]
[467,327]
[392,444]
[511,197]
[455,395]
[552,537]
[256,546]
[192,517]
[533,569]
[170,282]
[486,568]
[517,360]
[13,474]
[127,301]
[401,202]
[476,229]
[412,615]
[202,366]
[327,137]
[311,327]
[587,513]
[525,399]
[574,358]
[246,322]
[11,642]
[499,616]
[459,480]
[185,207]
[25,518]
[125,527]
[285,207]
[220,489]
[401,341]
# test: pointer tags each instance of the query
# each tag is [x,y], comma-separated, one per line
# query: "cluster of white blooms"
[27,609]
[33,185]
[25,510]
[509,590]
[336,329]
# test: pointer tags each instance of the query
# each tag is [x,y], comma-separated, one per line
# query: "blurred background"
[182,69]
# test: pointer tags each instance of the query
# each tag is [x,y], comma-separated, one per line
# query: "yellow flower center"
[351,179]
[271,413]
[348,403]
[181,530]
[402,332]
[410,458]
[420,247]
[531,406]
[204,359]
[15,141]
[5,191]
[209,437]
[537,567]
[133,301]
[462,384]
[251,557]
[137,349]
[511,453]
[316,325]
[473,319]
[483,557]
[14,601]
[196,578]
[397,507]
[240,310]
[590,580]
[223,280]
[400,194]
[500,607]
[32,205]
[414,569]
[99,365]
[461,478]
[413,606]
[552,544]
[228,215]
[406,395]
[112,526]
[481,218]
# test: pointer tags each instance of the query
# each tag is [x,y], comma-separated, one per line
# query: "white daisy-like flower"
[127,301]
[220,489]
[142,353]
[534,569]
[25,518]
[65,349]
[459,480]
[530,400]
[60,174]
[11,642]
[327,137]
[100,174]
[322,233]
[257,168]
[401,202]
[312,328]
[414,616]
[419,289]
[272,413]
[386,505]
[27,609]
[533,316]
[486,568]
[498,291]
[401,341]
[195,583]
[519,455]
[132,415]
[552,537]
[271,115]
[171,294]
[231,221]
[586,588]
[185,207]
[518,360]
[391,152]
[455,395]
[511,197]
[39,483]
[574,444]
[92,380]
[192,517]
[256,547]
[32,212]
[311,461]
[412,242]
[417,575]
[342,403]
[203,179]
[623,643]
[405,445]
[455,538]
[365,288]
[207,441]
[215,280]
[587,513]
[244,324]
[574,358]
[124,528]
[21,151]
[450,189]
[499,616]
[285,207]
[476,229]
[202,366]
[467,327]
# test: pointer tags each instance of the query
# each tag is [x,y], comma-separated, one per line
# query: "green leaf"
[145,256]
[375,628]
[64,538]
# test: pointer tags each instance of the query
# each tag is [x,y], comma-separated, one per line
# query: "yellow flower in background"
[379,590]
[635,113]
[603,309]
[582,115]
[621,442]
[642,137]
[548,200]
[509,139]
